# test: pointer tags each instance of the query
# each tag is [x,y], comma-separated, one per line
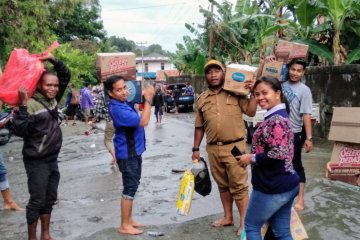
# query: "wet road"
[90,190]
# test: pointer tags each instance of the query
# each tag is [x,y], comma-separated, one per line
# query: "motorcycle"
[5,126]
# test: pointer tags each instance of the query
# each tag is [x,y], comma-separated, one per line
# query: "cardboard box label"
[345,154]
[273,69]
[349,155]
[236,75]
[345,163]
[108,64]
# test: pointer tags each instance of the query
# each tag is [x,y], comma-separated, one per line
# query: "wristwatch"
[253,158]
[309,138]
[194,149]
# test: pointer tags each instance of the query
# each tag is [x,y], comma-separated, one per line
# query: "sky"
[154,22]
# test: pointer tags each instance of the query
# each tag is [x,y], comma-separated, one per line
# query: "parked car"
[186,102]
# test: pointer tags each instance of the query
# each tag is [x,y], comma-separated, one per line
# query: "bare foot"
[129,230]
[299,206]
[13,206]
[113,163]
[240,231]
[223,223]
[46,237]
[136,224]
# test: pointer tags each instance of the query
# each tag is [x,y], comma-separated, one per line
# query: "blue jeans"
[4,183]
[272,208]
[131,174]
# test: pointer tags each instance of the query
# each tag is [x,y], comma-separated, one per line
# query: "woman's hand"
[244,160]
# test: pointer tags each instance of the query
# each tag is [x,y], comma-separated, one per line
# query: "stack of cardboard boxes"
[284,51]
[124,64]
[345,159]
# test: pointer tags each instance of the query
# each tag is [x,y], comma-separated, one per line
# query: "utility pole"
[142,61]
[211,37]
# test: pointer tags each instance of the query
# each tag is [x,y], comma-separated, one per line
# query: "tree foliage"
[331,28]
[82,21]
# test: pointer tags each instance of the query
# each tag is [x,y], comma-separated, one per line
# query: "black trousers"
[297,163]
[43,182]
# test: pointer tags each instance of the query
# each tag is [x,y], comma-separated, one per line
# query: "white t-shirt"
[300,100]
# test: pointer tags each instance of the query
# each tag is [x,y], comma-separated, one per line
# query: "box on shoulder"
[276,69]
[236,75]
[286,50]
[108,64]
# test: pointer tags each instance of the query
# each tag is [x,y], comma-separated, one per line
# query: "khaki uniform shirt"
[221,115]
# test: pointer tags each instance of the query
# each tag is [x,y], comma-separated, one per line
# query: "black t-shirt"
[176,94]
[158,99]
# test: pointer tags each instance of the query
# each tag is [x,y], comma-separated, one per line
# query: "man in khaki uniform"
[219,115]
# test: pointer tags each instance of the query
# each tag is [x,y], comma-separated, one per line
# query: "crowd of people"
[275,156]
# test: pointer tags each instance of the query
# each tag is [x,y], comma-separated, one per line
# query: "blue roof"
[146,74]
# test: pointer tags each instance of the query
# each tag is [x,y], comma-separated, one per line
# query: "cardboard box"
[345,159]
[283,48]
[273,69]
[345,163]
[108,64]
[236,75]
[345,125]
[297,228]
[299,50]
[286,50]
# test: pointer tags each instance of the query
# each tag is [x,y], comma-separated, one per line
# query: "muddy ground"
[90,190]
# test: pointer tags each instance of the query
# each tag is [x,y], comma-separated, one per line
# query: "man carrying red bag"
[37,122]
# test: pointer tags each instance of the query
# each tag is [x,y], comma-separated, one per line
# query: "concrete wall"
[333,86]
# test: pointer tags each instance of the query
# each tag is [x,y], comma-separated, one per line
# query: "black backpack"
[202,181]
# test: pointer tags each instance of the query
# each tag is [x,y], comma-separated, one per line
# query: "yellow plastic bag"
[185,194]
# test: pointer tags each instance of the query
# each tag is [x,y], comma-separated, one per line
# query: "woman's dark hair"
[275,85]
[110,81]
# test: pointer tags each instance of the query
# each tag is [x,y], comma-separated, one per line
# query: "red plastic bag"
[24,69]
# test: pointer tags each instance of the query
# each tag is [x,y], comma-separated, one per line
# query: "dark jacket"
[40,127]
[158,99]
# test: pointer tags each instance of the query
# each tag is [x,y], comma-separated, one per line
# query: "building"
[152,63]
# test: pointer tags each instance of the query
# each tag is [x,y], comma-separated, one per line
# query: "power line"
[154,23]
[151,6]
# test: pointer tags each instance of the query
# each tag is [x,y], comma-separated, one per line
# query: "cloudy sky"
[155,21]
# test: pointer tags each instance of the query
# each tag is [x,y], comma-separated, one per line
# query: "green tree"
[24,24]
[80,21]
[80,63]
[189,58]
[122,44]
[155,48]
